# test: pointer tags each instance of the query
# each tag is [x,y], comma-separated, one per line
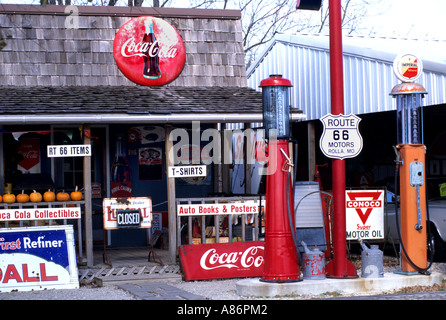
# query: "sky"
[402,18]
[412,19]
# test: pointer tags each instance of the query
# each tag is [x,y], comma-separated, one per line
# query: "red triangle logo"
[355,200]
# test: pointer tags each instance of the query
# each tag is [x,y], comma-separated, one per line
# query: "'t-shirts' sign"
[82,150]
[364,214]
[149,51]
[37,258]
[222,260]
[127,212]
[187,171]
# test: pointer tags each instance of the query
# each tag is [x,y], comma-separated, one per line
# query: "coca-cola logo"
[222,260]
[248,258]
[149,51]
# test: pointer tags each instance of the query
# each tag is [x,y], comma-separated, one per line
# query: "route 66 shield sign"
[341,138]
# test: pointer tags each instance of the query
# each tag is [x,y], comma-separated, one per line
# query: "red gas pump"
[281,259]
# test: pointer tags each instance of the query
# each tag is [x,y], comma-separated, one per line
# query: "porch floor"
[130,256]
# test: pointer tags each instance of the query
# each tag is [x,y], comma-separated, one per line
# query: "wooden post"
[311,151]
[88,205]
[171,198]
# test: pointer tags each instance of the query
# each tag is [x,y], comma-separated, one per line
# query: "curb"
[391,281]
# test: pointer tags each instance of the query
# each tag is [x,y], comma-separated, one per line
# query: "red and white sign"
[21,214]
[222,260]
[149,51]
[30,150]
[111,206]
[247,207]
[364,214]
[407,67]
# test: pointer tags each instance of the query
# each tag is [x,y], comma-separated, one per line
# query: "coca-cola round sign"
[149,51]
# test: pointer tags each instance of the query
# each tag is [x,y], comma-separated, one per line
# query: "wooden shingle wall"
[38,50]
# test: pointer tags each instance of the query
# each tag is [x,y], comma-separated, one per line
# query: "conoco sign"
[149,51]
[222,260]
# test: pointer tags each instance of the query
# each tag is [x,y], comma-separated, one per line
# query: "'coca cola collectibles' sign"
[149,51]
[222,260]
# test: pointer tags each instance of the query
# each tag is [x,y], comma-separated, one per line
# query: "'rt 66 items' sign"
[341,138]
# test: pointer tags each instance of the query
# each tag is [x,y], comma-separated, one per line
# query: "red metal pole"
[339,266]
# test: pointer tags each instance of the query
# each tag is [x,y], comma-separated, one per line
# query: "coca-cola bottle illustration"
[150,52]
[121,174]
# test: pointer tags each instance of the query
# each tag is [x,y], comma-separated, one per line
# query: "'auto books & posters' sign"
[149,51]
[364,214]
[222,260]
[38,258]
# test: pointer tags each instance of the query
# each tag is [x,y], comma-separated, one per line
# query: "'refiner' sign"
[222,260]
[364,214]
[38,258]
[341,138]
[149,51]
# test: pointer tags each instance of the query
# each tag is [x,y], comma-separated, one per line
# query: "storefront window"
[69,171]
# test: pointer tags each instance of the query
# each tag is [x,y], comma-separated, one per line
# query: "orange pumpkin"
[63,196]
[35,196]
[22,197]
[1,198]
[49,196]
[9,198]
[76,195]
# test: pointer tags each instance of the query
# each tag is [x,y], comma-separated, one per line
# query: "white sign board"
[38,258]
[80,150]
[114,207]
[248,207]
[187,171]
[40,213]
[341,138]
[364,214]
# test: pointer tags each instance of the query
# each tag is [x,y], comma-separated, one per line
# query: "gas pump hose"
[288,207]
[420,269]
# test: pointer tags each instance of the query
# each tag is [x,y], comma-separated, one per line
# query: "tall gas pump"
[411,165]
[281,258]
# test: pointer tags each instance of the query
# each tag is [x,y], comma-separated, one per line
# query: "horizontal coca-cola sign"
[222,260]
[149,51]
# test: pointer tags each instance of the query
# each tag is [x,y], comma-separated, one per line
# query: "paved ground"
[158,291]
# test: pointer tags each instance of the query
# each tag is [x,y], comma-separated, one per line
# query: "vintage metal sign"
[341,138]
[127,210]
[37,258]
[364,214]
[149,51]
[222,260]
